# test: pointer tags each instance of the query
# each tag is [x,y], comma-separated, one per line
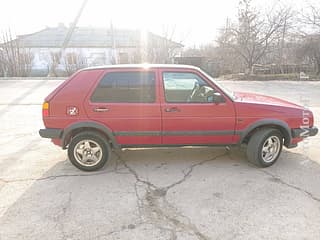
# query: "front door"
[190,115]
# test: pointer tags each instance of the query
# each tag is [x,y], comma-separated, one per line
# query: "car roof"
[143,66]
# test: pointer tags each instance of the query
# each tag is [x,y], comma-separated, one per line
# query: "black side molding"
[304,132]
[50,133]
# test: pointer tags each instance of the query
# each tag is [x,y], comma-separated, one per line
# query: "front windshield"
[224,89]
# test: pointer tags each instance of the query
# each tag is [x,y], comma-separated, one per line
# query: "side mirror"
[216,98]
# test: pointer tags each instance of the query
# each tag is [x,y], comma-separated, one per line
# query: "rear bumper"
[304,132]
[53,133]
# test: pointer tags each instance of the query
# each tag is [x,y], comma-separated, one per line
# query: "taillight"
[45,109]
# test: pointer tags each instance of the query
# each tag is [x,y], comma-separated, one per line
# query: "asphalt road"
[186,193]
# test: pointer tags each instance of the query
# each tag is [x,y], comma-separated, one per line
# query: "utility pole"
[113,42]
[73,26]
[68,36]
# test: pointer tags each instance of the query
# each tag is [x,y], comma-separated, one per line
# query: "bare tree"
[254,32]
[15,61]
[2,66]
[311,16]
[55,61]
[163,49]
[287,16]
[226,52]
[73,62]
[309,51]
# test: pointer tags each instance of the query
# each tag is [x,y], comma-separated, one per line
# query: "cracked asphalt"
[177,193]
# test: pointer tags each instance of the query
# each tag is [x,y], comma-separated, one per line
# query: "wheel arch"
[76,128]
[267,123]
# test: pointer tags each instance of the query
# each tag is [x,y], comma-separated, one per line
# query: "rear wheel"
[264,147]
[89,151]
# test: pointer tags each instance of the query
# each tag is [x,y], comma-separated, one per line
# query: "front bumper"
[304,132]
[53,133]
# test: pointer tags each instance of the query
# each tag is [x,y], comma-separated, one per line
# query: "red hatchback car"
[123,106]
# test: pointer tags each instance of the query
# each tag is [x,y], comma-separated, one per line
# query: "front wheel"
[264,147]
[88,151]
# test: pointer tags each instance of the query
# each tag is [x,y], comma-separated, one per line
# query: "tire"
[89,151]
[264,147]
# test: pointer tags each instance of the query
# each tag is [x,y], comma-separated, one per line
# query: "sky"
[193,22]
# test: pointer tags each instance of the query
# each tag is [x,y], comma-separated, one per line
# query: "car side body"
[165,105]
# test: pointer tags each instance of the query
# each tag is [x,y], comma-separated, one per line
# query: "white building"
[95,46]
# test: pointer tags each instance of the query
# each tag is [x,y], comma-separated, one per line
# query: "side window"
[126,87]
[183,87]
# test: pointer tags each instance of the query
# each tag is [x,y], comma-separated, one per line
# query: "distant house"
[90,46]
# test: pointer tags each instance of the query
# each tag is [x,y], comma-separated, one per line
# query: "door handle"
[101,109]
[172,109]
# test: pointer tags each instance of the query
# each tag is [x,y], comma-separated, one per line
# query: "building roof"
[87,37]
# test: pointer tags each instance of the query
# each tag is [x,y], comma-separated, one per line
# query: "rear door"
[127,102]
[189,113]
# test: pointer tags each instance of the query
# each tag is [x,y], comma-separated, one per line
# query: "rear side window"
[126,87]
